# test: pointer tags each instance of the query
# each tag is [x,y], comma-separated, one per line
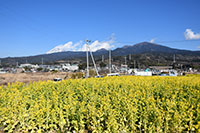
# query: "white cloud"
[190,35]
[79,46]
[96,45]
[152,40]
[60,48]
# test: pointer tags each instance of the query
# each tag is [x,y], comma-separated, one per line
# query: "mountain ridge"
[139,48]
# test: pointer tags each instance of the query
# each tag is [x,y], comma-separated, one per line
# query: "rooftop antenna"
[87,71]
[110,61]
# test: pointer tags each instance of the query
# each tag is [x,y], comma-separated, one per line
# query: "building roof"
[161,67]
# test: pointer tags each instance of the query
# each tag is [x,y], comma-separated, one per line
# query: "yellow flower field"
[110,104]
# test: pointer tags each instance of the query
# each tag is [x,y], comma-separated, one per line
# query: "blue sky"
[31,27]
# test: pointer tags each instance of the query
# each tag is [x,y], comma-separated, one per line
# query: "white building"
[28,65]
[142,73]
[2,71]
[70,67]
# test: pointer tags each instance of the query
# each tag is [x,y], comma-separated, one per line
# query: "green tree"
[39,69]
[82,66]
[102,64]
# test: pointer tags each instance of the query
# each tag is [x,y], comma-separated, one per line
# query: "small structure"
[146,72]
[113,74]
[28,65]
[161,67]
[124,68]
[2,71]
[143,73]
[69,67]
[163,70]
[19,70]
[57,79]
[169,73]
[99,76]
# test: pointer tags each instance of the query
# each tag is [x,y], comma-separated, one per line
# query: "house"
[163,70]
[142,72]
[68,67]
[2,71]
[28,65]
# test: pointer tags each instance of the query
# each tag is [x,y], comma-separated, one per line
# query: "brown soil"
[30,77]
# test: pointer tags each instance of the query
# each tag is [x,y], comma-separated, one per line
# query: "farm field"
[30,77]
[110,104]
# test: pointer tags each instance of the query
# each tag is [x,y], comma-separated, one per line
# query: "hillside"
[146,47]
[144,51]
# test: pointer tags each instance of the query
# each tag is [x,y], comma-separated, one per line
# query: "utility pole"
[134,64]
[181,67]
[129,56]
[87,71]
[139,65]
[102,58]
[17,64]
[125,60]
[126,64]
[174,58]
[93,61]
[109,61]
[42,61]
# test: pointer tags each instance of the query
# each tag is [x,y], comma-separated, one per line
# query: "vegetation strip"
[110,104]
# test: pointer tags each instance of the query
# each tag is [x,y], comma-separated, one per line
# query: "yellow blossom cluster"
[110,104]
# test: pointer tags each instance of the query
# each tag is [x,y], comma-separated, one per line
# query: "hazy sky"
[30,27]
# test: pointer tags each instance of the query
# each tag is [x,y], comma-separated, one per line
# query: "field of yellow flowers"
[110,104]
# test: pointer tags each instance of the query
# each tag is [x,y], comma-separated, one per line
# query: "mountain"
[145,49]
